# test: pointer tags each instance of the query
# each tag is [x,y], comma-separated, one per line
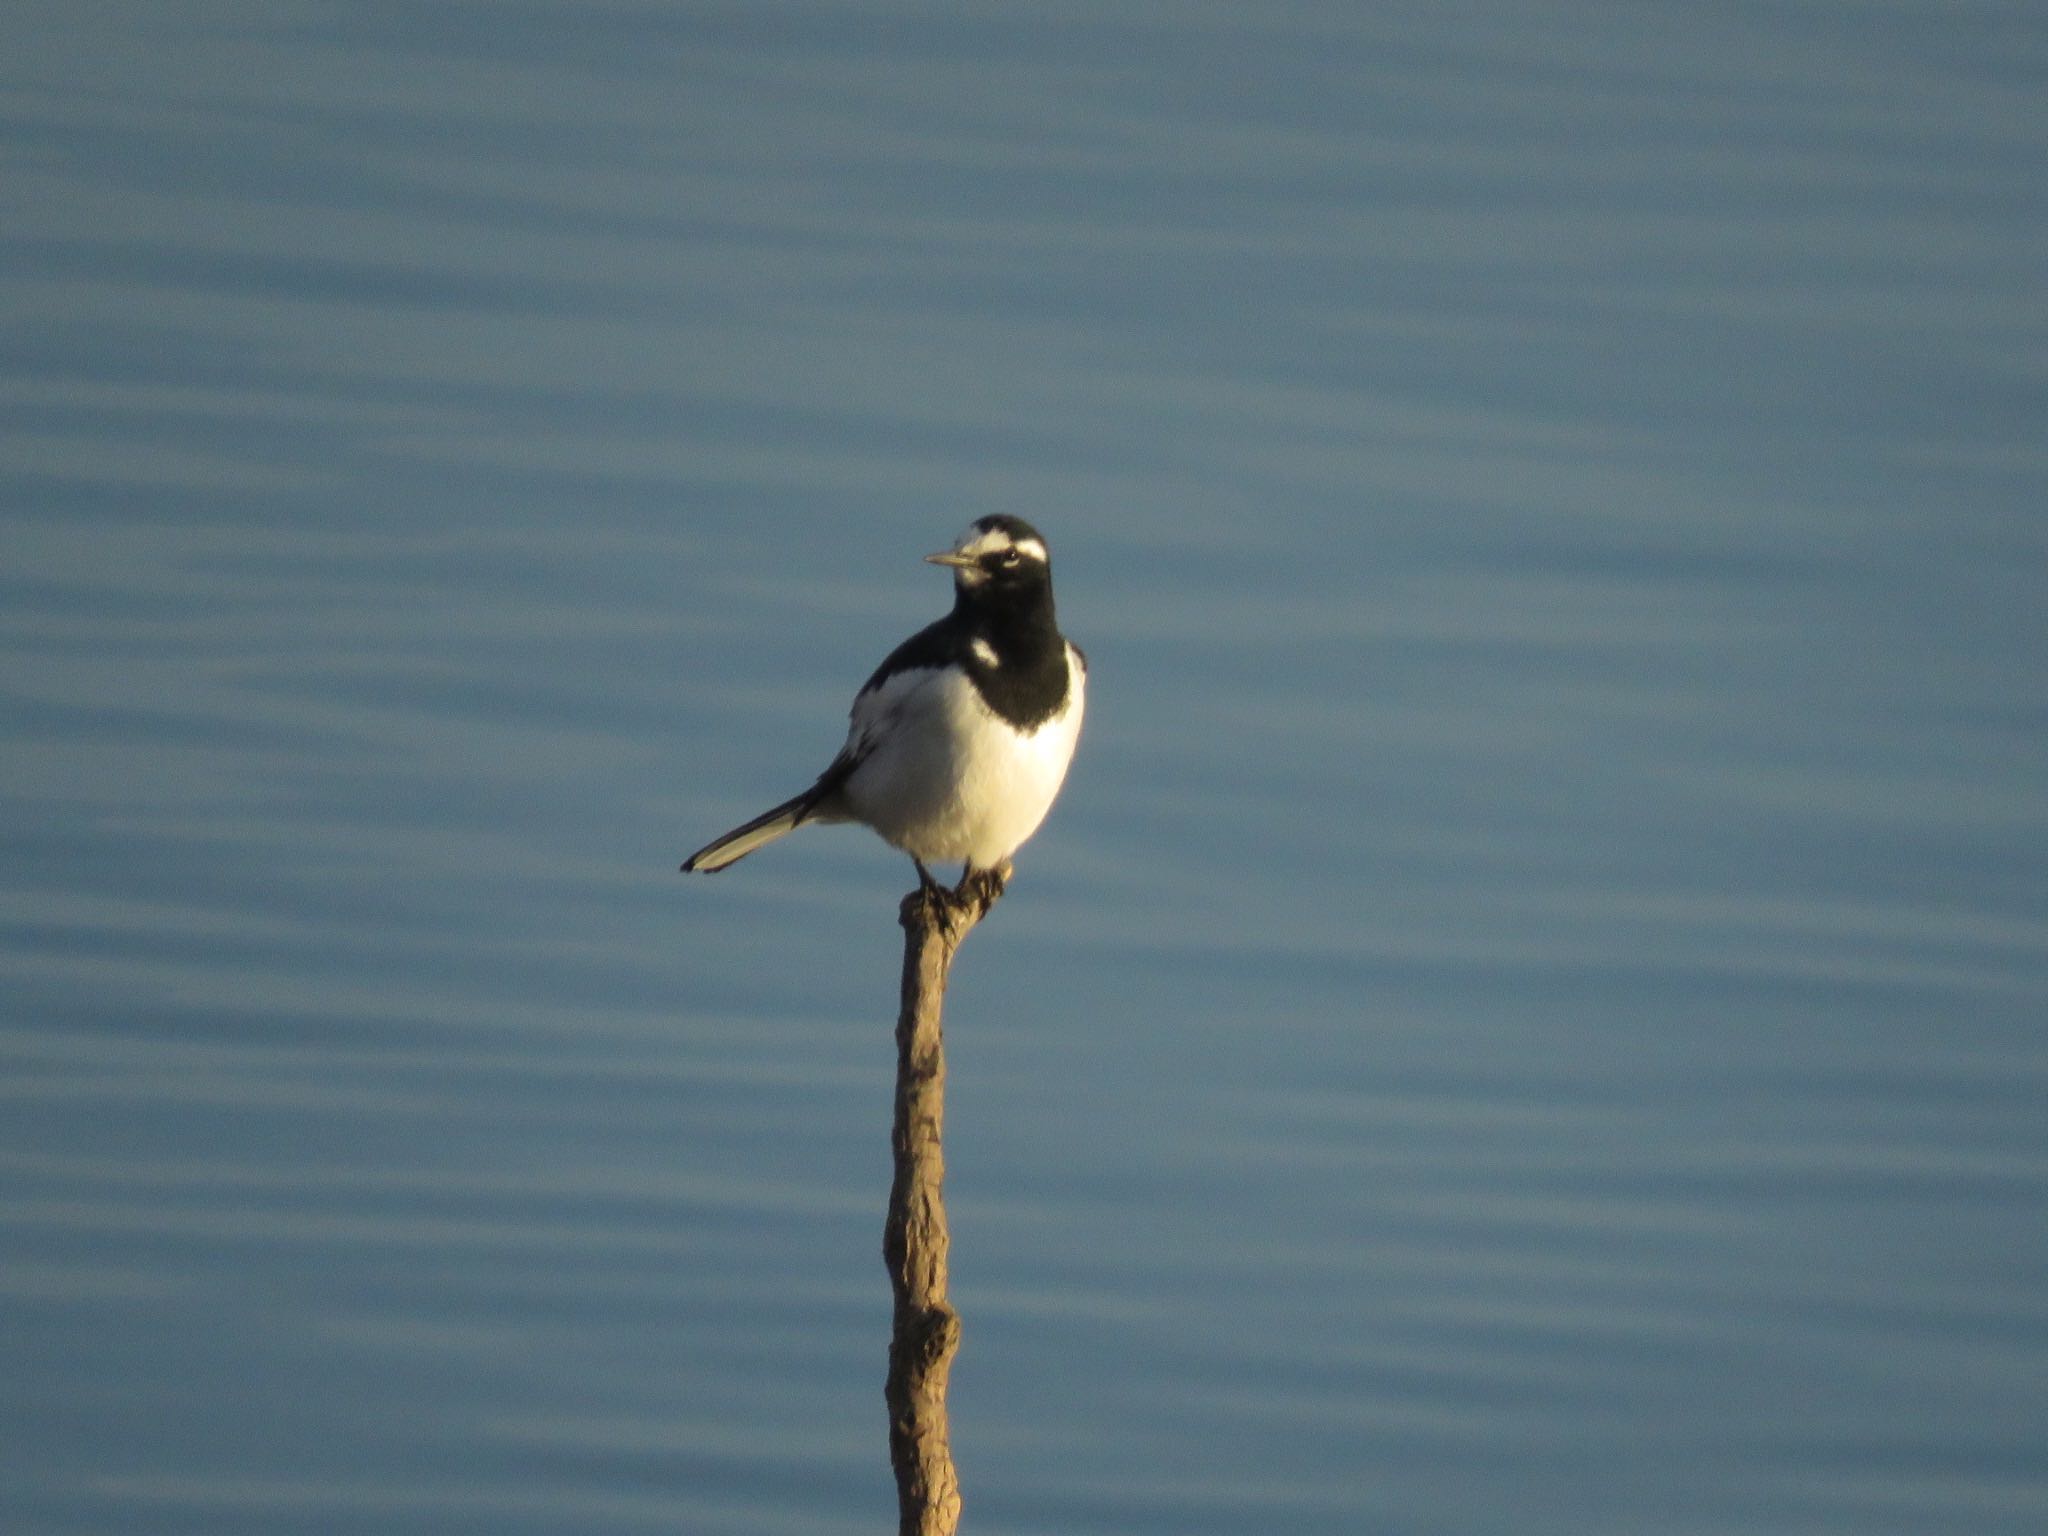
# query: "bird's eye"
[1008,558]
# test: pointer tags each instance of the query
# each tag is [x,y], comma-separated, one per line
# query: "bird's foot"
[981,887]
[971,899]
[937,900]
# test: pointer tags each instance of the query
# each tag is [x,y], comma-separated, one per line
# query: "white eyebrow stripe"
[984,543]
[992,540]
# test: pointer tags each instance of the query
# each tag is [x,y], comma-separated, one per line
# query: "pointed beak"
[951,557]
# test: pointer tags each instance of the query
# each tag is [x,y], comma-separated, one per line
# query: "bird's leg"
[943,905]
[929,890]
[982,886]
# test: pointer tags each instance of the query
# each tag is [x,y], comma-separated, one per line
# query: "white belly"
[949,779]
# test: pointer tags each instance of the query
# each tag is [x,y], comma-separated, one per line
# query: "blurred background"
[1528,1016]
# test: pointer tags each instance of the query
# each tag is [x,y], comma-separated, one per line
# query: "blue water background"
[1529,1017]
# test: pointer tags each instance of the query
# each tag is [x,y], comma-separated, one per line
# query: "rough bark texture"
[915,1239]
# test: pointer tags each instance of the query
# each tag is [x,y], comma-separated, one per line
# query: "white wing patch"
[879,712]
[986,653]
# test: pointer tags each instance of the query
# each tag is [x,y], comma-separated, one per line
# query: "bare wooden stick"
[915,1241]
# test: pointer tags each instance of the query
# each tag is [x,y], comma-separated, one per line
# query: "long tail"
[743,840]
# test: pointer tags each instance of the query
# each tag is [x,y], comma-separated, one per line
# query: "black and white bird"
[960,740]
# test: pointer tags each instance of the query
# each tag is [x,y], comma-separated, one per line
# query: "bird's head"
[998,560]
